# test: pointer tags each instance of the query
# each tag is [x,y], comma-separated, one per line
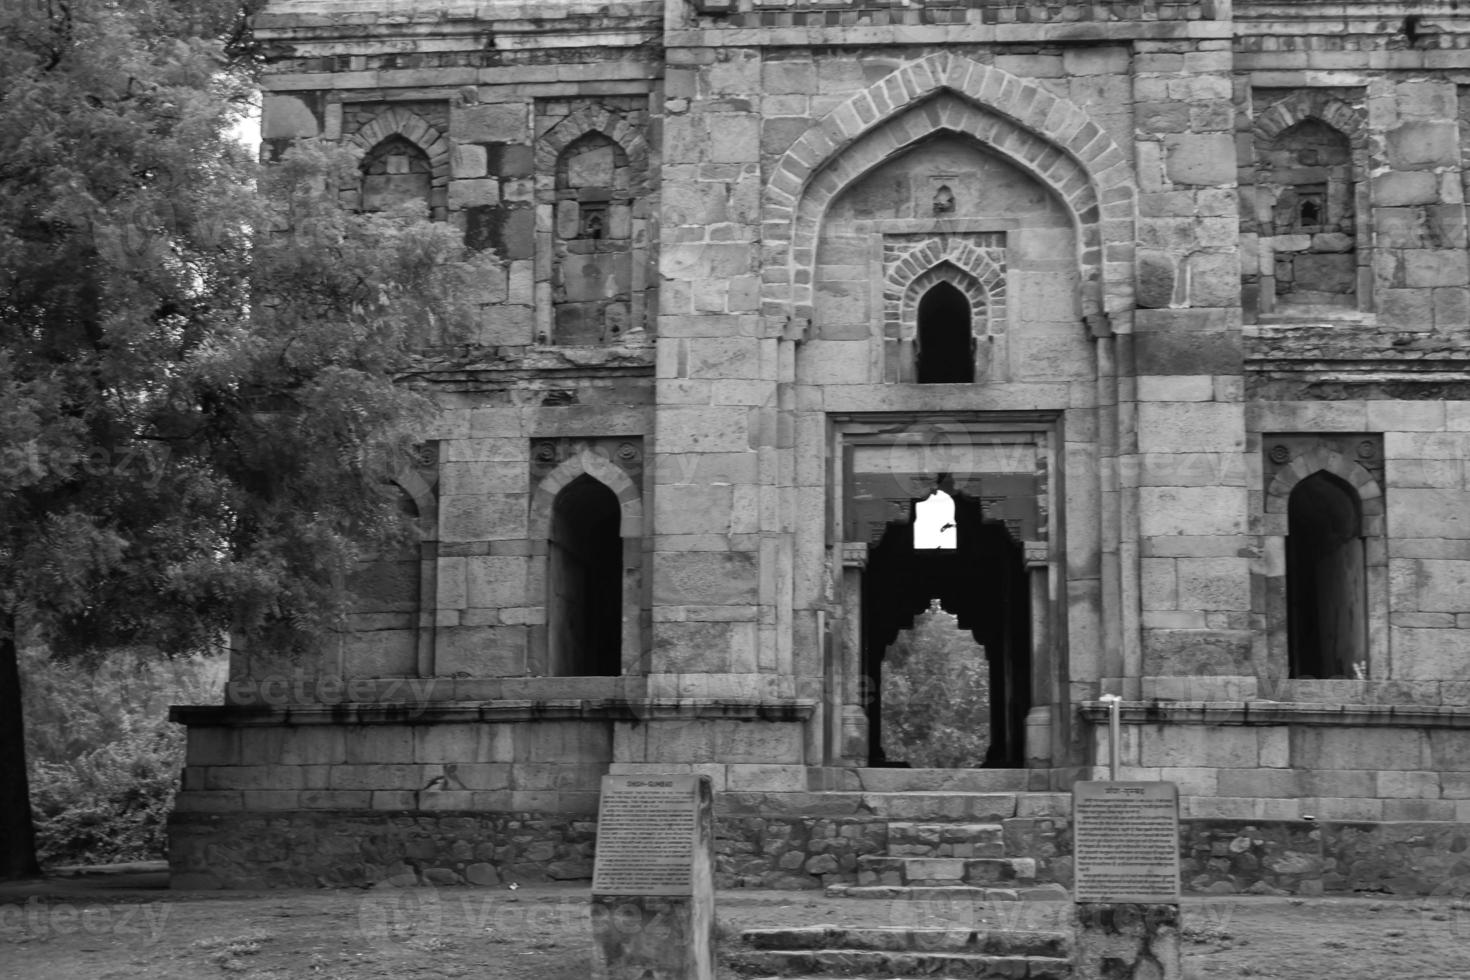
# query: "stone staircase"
[892,952]
[949,860]
[982,847]
[970,883]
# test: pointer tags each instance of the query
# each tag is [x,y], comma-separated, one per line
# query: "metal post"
[1115,733]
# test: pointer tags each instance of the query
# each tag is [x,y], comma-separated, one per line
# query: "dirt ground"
[129,926]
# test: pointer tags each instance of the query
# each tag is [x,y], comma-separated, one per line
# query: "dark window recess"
[585,582]
[1326,579]
[945,352]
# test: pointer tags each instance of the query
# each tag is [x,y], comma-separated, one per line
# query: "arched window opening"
[1325,579]
[944,352]
[396,175]
[934,524]
[585,582]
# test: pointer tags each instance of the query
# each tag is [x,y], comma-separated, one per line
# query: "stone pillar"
[1183,451]
[653,895]
[1127,941]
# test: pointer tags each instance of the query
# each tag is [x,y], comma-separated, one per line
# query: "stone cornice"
[443,712]
[1279,713]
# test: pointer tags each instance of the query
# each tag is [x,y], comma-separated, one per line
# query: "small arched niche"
[944,352]
[584,601]
[396,176]
[1326,579]
[592,278]
[1309,216]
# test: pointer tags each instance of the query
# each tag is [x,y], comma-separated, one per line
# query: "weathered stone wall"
[337,848]
[1221,857]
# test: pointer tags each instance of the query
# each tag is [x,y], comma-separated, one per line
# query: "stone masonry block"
[495,123]
[1193,510]
[705,647]
[1190,427]
[1178,745]
[496,581]
[693,509]
[1200,159]
[1360,748]
[1214,583]
[1423,145]
[461,743]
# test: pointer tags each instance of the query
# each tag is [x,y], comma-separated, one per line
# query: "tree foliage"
[104,758]
[936,695]
[198,407]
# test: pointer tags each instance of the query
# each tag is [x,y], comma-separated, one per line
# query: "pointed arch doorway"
[981,581]
[995,571]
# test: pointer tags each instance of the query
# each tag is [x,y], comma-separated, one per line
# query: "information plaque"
[1125,838]
[647,831]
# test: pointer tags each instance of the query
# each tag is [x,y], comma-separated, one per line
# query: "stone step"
[912,807]
[848,963]
[901,780]
[956,839]
[874,869]
[917,940]
[954,895]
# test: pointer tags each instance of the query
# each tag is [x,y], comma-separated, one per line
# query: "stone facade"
[1171,298]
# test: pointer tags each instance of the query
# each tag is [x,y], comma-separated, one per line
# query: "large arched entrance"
[981,580]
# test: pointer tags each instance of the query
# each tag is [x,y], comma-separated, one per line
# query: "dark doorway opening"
[585,584]
[1326,579]
[945,352]
[982,582]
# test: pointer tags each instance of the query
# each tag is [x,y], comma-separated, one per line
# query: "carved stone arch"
[1371,559]
[425,501]
[1311,211]
[1350,471]
[1051,138]
[1351,121]
[397,121]
[599,468]
[947,271]
[586,121]
[548,655]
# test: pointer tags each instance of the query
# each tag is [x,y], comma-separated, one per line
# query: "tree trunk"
[17,832]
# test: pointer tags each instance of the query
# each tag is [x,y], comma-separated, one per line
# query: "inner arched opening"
[944,349]
[1325,579]
[947,638]
[584,584]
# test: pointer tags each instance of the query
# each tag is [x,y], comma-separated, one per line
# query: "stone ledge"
[1279,713]
[926,34]
[437,712]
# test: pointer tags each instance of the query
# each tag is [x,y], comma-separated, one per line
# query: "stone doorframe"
[944,439]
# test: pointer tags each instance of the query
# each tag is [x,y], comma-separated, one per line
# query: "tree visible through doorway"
[936,695]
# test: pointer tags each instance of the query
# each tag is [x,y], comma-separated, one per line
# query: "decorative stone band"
[1281,713]
[569,709]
